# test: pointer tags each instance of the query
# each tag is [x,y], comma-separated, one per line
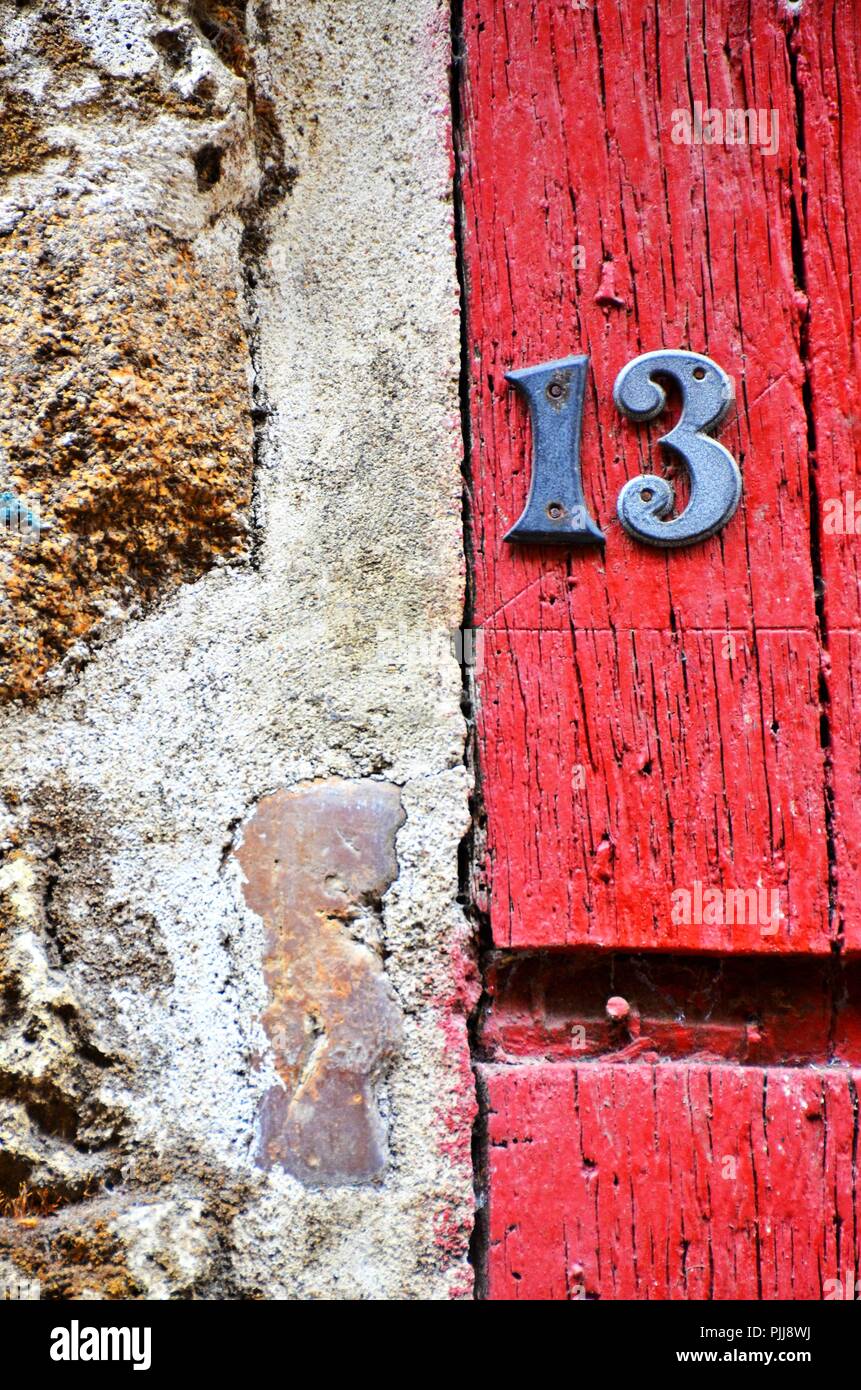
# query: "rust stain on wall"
[124,412]
[317,861]
[223,22]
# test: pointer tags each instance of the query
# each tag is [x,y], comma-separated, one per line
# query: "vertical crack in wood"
[799,226]
[470,848]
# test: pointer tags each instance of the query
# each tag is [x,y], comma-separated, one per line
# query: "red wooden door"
[668,744]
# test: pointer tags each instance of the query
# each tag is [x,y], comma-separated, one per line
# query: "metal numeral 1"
[555,511]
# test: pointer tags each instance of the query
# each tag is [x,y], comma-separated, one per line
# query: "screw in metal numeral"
[555,511]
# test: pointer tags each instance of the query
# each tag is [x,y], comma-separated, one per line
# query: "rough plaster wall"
[295,160]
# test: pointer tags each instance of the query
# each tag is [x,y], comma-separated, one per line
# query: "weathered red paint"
[649,721]
[826,49]
[678,1181]
[619,766]
[686,686]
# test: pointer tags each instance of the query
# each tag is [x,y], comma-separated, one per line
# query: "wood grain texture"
[826,54]
[568,121]
[652,721]
[844,682]
[671,1181]
[607,660]
[620,767]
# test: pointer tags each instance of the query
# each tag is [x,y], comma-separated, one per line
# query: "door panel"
[567,144]
[671,1182]
[588,229]
[668,741]
[622,769]
[826,54]
[826,49]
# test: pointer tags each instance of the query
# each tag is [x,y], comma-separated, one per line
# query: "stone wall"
[234,974]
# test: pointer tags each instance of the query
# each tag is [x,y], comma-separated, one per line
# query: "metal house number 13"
[556,510]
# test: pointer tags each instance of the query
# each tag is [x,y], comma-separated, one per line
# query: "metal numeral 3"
[707,394]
